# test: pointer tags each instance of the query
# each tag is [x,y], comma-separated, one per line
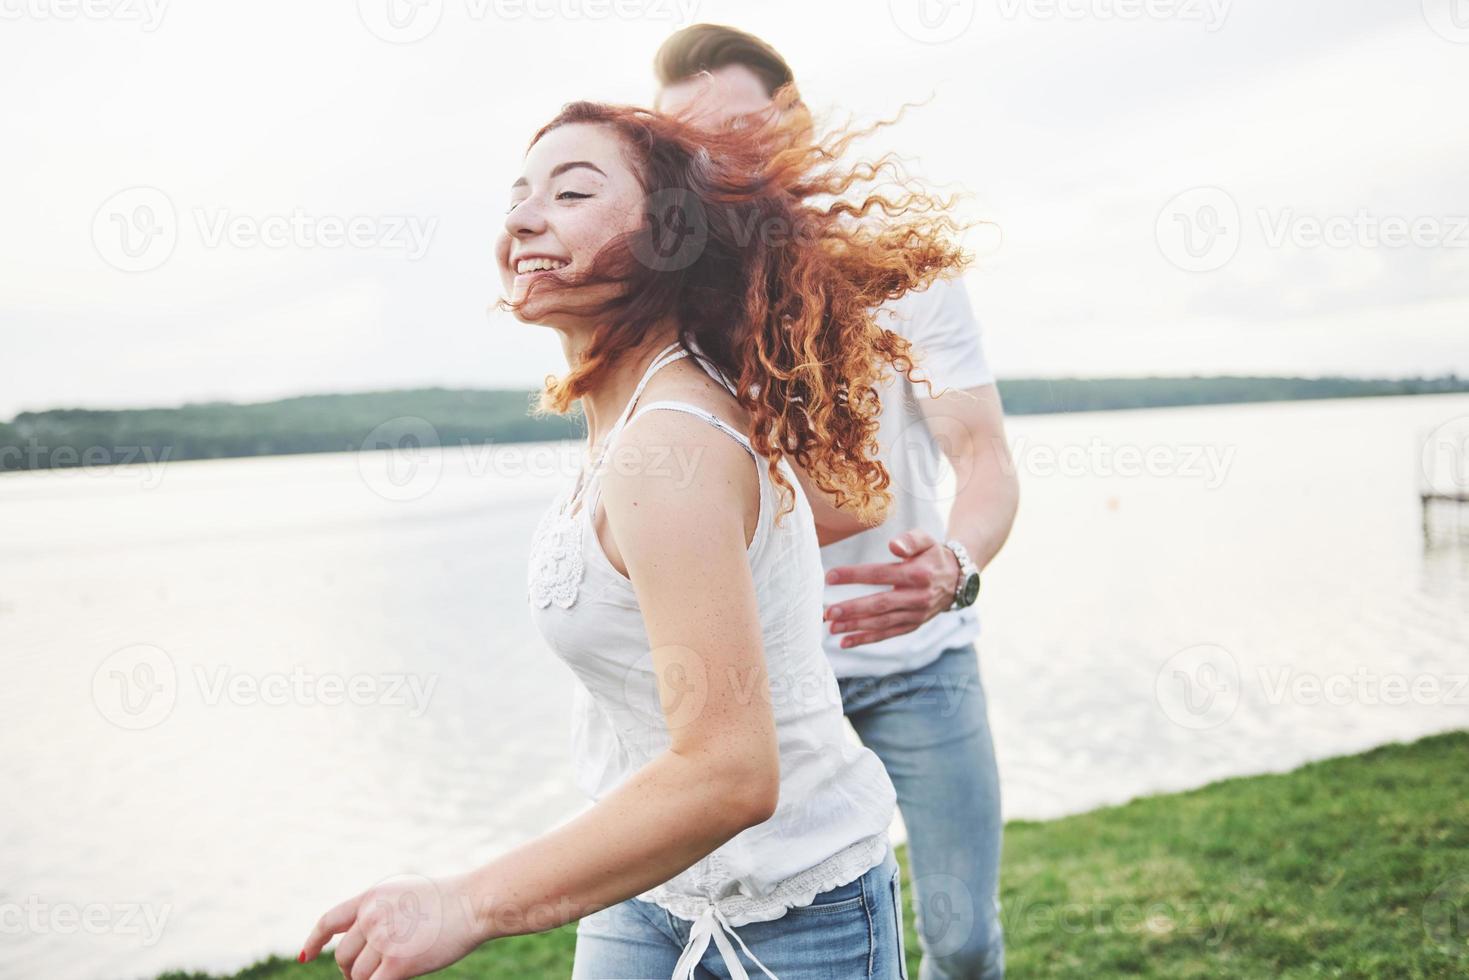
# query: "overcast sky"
[1181,186]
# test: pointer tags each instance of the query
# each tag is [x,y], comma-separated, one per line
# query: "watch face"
[971,589]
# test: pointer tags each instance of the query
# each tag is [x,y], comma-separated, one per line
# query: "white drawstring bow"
[712,924]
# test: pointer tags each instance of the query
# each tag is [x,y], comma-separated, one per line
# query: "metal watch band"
[967,569]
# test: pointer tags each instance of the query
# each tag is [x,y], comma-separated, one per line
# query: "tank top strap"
[710,368]
[702,413]
[594,492]
[665,357]
[584,489]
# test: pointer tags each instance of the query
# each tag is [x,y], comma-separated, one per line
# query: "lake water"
[240,690]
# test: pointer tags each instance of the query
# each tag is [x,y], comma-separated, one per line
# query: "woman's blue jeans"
[850,932]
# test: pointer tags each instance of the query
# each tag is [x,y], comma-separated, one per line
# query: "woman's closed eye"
[561,196]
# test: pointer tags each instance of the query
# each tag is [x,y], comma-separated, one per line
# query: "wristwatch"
[968,588]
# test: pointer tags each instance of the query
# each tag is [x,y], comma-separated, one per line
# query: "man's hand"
[923,584]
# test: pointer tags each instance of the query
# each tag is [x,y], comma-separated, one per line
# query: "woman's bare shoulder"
[672,474]
[687,382]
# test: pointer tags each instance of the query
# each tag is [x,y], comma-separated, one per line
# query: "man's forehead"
[732,88]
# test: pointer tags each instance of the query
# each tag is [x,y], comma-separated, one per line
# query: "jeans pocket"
[896,887]
[838,899]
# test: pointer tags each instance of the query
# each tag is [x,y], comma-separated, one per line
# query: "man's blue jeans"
[931,729]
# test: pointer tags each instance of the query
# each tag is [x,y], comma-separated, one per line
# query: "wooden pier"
[1430,498]
[1444,458]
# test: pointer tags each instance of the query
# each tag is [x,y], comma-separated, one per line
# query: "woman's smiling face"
[576,193]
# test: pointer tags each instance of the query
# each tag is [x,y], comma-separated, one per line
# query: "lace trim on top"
[556,567]
[846,865]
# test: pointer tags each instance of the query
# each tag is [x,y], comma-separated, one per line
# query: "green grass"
[1352,867]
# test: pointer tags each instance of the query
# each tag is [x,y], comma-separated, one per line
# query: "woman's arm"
[681,533]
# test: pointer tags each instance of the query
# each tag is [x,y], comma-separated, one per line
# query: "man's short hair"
[709,47]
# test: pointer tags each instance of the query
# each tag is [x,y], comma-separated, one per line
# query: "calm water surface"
[238,691]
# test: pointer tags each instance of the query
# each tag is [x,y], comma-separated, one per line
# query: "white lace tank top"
[836,801]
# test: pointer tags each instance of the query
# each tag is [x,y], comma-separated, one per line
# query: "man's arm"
[972,436]
[969,426]
[832,523]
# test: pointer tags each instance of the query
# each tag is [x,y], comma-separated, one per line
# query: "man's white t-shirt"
[946,338]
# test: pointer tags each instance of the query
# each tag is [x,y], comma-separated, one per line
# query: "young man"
[902,631]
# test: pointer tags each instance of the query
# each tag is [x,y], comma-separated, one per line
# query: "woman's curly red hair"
[754,246]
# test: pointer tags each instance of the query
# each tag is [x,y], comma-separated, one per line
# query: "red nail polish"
[301,956]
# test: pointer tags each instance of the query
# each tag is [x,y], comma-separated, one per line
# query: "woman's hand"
[404,926]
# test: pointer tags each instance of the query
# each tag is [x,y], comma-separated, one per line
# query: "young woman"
[714,295]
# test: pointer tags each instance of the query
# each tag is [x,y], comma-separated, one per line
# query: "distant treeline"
[308,424]
[337,423]
[1040,396]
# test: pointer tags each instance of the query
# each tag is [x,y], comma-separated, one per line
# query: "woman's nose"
[524,220]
